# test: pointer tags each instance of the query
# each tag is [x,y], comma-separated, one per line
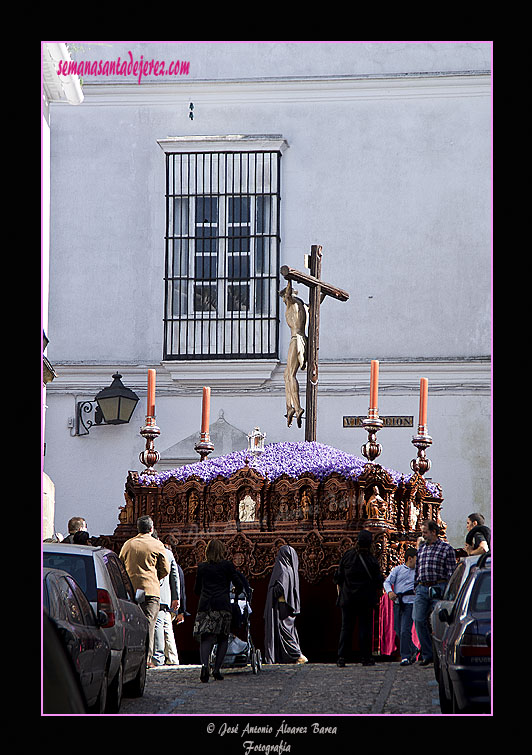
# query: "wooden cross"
[318,290]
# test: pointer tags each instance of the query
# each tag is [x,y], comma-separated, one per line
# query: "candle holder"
[422,441]
[150,455]
[372,424]
[204,446]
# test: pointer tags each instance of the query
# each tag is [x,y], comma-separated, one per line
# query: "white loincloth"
[301,345]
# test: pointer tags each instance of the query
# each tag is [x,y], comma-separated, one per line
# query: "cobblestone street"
[324,689]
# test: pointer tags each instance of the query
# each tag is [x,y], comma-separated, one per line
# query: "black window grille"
[222,255]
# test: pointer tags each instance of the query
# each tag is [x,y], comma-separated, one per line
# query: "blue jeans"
[402,622]
[423,606]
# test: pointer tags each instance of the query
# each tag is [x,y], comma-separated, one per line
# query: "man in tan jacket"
[146,563]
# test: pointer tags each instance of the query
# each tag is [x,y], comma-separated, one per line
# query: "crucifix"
[298,357]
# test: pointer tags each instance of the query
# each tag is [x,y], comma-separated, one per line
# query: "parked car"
[61,688]
[105,582]
[465,655]
[81,634]
[450,594]
[488,642]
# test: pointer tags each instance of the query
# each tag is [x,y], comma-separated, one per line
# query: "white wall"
[398,201]
[248,60]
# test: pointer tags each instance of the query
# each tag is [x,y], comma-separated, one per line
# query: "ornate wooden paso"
[254,516]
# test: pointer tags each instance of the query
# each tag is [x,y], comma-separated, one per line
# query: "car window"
[74,613]
[125,579]
[116,577]
[52,598]
[454,583]
[481,598]
[85,607]
[81,567]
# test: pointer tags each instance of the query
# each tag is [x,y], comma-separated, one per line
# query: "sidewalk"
[323,689]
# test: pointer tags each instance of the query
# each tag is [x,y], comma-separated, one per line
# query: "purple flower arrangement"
[292,459]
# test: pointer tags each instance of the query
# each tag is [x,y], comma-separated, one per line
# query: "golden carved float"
[317,506]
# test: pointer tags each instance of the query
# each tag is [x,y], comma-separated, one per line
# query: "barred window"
[222,255]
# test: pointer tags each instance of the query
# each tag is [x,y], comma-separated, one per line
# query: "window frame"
[258,322]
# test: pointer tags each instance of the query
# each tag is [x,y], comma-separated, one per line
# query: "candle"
[150,410]
[205,410]
[423,396]
[374,385]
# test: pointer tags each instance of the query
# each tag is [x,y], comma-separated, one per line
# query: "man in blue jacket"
[399,586]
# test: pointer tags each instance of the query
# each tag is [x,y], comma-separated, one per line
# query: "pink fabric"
[386,630]
[415,638]
[387,635]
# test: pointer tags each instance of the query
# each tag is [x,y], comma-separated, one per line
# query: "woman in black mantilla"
[359,583]
[281,641]
[213,618]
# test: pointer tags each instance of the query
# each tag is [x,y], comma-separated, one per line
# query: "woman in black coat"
[213,618]
[359,580]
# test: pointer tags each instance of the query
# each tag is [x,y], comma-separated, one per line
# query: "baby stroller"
[240,652]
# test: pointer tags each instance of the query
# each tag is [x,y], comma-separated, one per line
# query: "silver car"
[449,596]
[104,580]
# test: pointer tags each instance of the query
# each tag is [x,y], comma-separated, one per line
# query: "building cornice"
[234,377]
[288,89]
[227,143]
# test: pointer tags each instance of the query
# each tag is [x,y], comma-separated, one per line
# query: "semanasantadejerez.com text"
[119,67]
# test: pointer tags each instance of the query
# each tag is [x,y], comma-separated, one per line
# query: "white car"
[104,580]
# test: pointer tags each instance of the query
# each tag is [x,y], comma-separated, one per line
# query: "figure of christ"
[296,319]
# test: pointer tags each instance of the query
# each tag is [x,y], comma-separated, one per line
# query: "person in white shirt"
[399,586]
[165,649]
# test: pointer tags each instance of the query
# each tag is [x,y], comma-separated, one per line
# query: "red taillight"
[105,604]
[474,645]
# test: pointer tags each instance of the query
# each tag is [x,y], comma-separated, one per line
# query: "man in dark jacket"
[75,524]
[478,538]
[359,583]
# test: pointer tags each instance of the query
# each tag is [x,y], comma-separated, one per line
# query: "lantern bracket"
[85,419]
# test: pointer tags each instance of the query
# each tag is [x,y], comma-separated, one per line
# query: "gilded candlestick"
[204,446]
[372,424]
[150,455]
[422,441]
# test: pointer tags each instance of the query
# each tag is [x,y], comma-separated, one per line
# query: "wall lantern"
[114,406]
[256,442]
